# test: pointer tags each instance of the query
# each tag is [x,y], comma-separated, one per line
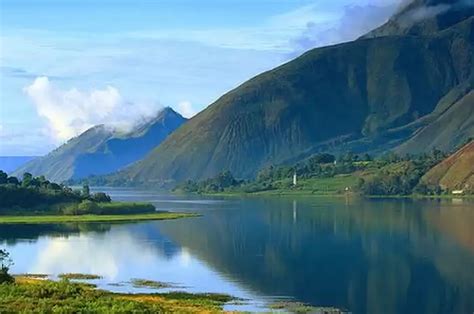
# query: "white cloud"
[186,109]
[355,21]
[71,112]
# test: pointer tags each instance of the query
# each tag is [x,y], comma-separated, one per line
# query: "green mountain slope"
[101,150]
[368,95]
[445,130]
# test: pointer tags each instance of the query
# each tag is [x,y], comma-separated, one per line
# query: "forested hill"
[408,92]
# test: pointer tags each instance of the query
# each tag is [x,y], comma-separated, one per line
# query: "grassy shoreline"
[38,295]
[46,219]
[303,193]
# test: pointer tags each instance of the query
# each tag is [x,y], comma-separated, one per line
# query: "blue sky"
[66,65]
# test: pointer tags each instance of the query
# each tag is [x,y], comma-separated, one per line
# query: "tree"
[13,180]
[321,159]
[3,177]
[5,264]
[437,155]
[86,192]
[54,186]
[348,157]
[101,197]
[27,178]
[88,207]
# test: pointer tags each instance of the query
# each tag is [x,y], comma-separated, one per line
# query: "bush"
[101,197]
[88,207]
[84,208]
[5,263]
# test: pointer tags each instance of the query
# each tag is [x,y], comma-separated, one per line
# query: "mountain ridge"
[343,97]
[101,149]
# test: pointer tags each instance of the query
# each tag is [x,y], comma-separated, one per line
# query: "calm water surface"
[378,256]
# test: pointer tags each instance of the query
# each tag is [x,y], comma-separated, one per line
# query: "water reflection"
[379,256]
[368,256]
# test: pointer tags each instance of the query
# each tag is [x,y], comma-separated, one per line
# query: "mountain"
[101,149]
[401,92]
[425,17]
[455,172]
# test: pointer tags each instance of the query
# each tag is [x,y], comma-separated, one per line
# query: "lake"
[363,256]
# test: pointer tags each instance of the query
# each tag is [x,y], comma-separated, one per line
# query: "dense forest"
[38,194]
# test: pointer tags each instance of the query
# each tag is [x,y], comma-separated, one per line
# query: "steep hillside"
[101,150]
[368,95]
[446,129]
[456,172]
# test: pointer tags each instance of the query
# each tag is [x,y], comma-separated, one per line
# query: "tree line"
[31,192]
[388,174]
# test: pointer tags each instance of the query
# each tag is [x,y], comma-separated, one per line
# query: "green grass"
[145,283]
[79,276]
[90,218]
[126,207]
[37,276]
[334,186]
[321,186]
[297,307]
[29,295]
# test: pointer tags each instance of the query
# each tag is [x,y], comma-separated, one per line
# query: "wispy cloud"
[186,109]
[423,12]
[71,112]
[354,21]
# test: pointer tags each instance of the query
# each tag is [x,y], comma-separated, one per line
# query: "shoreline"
[71,296]
[52,219]
[280,193]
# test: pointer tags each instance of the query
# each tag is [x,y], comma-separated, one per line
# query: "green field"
[334,186]
[90,218]
[319,186]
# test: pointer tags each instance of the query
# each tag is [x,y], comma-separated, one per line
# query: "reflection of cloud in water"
[185,257]
[123,253]
[95,255]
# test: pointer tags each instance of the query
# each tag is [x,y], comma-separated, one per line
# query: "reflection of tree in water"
[11,234]
[378,256]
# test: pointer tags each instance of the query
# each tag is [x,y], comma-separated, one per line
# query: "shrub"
[100,197]
[83,208]
[88,207]
[5,263]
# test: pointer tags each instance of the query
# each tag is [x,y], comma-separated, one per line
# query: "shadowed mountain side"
[59,164]
[101,150]
[367,95]
[446,130]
